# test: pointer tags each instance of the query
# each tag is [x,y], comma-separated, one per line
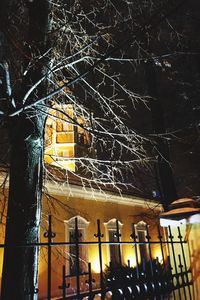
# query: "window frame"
[142,249]
[83,250]
[111,226]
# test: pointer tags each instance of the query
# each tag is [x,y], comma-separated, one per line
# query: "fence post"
[77,257]
[182,275]
[184,261]
[174,259]
[148,237]
[118,235]
[168,263]
[90,281]
[63,283]
[161,245]
[49,234]
[99,236]
[134,237]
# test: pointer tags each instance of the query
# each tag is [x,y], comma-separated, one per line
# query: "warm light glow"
[62,139]
[68,165]
[157,254]
[94,259]
[129,256]
[1,263]
[42,267]
[95,265]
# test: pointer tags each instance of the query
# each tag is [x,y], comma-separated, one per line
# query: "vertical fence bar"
[161,245]
[49,258]
[77,258]
[174,259]
[134,237]
[148,237]
[64,286]
[184,262]
[170,268]
[49,234]
[182,276]
[90,281]
[161,248]
[99,236]
[63,283]
[118,235]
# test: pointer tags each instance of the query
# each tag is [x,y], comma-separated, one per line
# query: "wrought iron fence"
[149,279]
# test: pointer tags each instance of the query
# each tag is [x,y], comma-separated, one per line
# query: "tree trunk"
[165,173]
[24,208]
[20,266]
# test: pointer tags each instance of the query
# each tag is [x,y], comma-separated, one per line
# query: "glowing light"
[95,265]
[172,223]
[130,257]
[158,254]
[68,165]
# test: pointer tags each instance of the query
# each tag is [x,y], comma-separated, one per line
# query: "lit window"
[113,237]
[71,236]
[63,140]
[141,232]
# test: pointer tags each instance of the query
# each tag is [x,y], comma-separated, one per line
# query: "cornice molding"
[75,191]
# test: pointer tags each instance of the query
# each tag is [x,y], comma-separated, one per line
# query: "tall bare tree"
[82,53]
[26,131]
[47,47]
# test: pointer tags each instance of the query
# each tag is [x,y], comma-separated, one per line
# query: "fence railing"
[150,278]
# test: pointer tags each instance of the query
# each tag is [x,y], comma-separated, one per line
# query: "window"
[112,236]
[63,139]
[71,231]
[141,232]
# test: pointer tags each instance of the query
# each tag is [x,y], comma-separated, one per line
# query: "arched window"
[72,235]
[141,232]
[113,232]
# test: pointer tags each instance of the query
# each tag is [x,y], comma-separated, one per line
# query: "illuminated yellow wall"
[194,243]
[190,233]
[91,210]
[65,208]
